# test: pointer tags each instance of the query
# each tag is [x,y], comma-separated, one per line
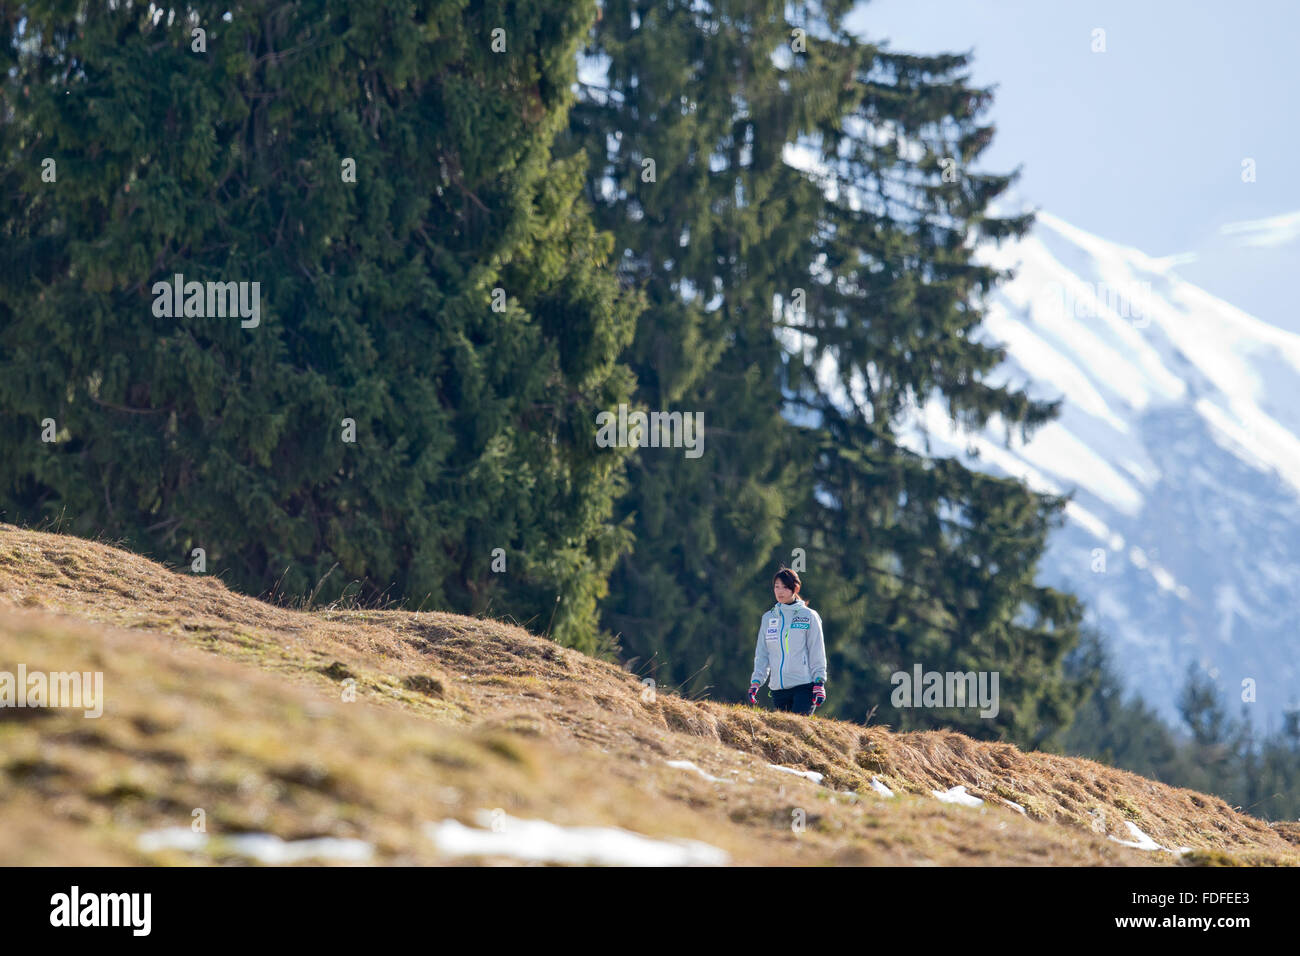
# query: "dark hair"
[790,578]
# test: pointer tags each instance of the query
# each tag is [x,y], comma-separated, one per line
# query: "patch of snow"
[542,841]
[263,847]
[1255,438]
[1143,842]
[930,424]
[1049,365]
[1121,360]
[268,848]
[957,794]
[1054,450]
[880,788]
[1015,806]
[1273,231]
[1088,521]
[687,765]
[171,838]
[1146,475]
[1164,579]
[812,775]
[1230,606]
[1058,450]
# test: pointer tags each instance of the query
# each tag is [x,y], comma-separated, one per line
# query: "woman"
[791,649]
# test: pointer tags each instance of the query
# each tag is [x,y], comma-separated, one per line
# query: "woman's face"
[783,594]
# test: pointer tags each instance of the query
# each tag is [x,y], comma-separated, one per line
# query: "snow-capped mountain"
[1180,436]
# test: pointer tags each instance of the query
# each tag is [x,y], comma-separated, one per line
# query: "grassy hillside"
[234,706]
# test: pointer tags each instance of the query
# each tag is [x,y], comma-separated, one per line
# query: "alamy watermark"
[946,689]
[1082,300]
[53,689]
[655,430]
[130,910]
[178,298]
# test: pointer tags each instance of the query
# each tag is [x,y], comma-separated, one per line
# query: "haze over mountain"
[1180,437]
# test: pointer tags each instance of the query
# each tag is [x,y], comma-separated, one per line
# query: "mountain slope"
[462,729]
[1181,441]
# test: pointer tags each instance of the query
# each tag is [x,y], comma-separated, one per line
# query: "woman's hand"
[819,695]
[753,692]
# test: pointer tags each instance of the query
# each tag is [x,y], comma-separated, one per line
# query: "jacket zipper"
[781,672]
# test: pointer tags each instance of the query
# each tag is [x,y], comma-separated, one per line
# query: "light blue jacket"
[790,647]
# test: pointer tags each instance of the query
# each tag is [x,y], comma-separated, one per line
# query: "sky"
[1142,143]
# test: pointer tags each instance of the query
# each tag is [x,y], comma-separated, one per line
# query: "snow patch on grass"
[687,765]
[812,775]
[544,842]
[171,838]
[957,794]
[263,847]
[1141,841]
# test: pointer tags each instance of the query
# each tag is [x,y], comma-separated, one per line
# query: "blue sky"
[1142,144]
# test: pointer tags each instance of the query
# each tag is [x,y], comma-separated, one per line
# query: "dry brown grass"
[233,705]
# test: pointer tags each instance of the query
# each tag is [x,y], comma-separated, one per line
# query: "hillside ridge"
[220,702]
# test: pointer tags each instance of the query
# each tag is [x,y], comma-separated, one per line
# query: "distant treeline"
[1212,750]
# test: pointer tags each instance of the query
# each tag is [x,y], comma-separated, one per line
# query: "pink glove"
[819,695]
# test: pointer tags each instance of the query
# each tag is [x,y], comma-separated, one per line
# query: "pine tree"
[926,560]
[762,276]
[698,91]
[431,285]
[1218,742]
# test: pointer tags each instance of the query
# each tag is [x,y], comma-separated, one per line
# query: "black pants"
[797,699]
